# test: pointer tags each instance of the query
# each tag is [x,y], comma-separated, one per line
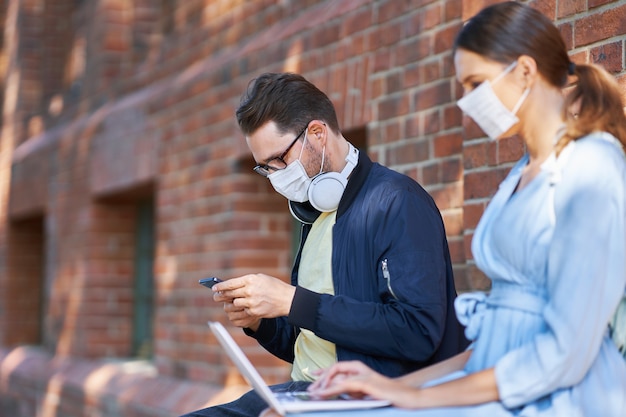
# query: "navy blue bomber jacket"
[393,307]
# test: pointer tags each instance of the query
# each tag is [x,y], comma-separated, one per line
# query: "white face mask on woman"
[293,181]
[486,109]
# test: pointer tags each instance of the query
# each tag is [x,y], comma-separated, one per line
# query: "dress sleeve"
[585,278]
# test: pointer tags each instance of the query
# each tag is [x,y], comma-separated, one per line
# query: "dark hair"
[287,99]
[504,31]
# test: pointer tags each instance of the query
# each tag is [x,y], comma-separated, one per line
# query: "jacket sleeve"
[586,278]
[277,336]
[406,319]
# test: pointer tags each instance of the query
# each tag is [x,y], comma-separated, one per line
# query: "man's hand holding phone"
[236,315]
[250,298]
[209,282]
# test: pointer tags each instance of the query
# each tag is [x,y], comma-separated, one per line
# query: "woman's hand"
[337,373]
[357,380]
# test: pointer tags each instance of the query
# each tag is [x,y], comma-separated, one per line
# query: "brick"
[547,7]
[386,36]
[483,184]
[475,155]
[509,149]
[415,49]
[600,26]
[444,39]
[453,221]
[408,153]
[432,122]
[412,24]
[432,96]
[452,10]
[608,56]
[448,144]
[431,71]
[358,21]
[457,253]
[413,75]
[471,129]
[431,16]
[452,170]
[382,60]
[393,107]
[389,10]
[449,196]
[470,8]
[430,174]
[597,3]
[393,83]
[567,33]
[327,36]
[392,132]
[568,8]
[471,214]
[452,117]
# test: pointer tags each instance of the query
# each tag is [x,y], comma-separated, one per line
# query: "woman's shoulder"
[595,150]
[597,145]
[593,157]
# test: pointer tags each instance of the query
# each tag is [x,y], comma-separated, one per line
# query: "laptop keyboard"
[295,396]
[306,396]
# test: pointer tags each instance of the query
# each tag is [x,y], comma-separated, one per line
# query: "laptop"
[283,402]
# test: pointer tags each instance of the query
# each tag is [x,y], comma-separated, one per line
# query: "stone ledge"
[35,383]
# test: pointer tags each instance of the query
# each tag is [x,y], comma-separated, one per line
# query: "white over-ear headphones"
[326,189]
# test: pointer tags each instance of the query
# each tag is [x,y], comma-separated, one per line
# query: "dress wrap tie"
[470,310]
[472,307]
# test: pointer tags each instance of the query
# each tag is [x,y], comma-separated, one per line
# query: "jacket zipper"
[387,277]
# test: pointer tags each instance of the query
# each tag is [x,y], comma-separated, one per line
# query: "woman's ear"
[526,70]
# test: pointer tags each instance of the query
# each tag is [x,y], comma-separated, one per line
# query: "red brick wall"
[116,100]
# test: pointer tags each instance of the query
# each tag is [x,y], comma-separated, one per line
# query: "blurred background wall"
[124,178]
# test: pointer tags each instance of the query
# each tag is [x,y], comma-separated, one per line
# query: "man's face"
[274,150]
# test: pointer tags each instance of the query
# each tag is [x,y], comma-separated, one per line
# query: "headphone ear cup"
[325,191]
[303,212]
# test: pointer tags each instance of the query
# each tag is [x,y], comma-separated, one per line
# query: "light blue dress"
[555,252]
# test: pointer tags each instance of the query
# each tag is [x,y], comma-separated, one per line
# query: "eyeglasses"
[266,169]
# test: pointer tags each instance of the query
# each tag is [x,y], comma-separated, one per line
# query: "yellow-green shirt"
[315,273]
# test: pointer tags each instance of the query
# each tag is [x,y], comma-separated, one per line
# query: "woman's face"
[473,69]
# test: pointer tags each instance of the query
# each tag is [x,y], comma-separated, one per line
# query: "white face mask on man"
[486,109]
[293,181]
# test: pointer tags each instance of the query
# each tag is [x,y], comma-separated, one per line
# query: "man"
[373,278]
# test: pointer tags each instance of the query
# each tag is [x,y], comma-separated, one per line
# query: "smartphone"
[209,282]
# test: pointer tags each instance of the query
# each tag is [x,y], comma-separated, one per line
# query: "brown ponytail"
[597,96]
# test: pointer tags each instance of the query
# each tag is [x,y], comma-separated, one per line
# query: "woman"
[552,240]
